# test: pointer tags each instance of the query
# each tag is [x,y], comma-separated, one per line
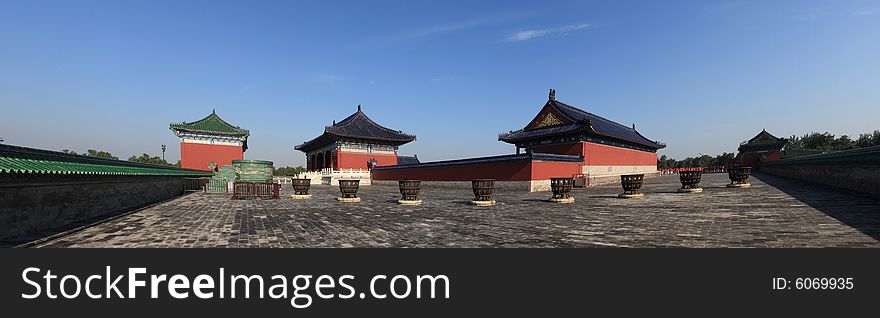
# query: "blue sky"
[701,76]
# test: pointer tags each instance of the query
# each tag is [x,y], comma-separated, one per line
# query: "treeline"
[144,158]
[824,142]
[665,162]
[289,171]
[156,160]
[93,153]
[811,143]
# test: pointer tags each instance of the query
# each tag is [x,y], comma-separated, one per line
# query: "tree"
[868,140]
[100,154]
[723,159]
[843,143]
[289,171]
[665,162]
[819,141]
[145,158]
[69,152]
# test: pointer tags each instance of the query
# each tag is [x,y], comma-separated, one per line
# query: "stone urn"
[483,189]
[739,176]
[409,192]
[301,188]
[632,185]
[349,189]
[690,181]
[561,188]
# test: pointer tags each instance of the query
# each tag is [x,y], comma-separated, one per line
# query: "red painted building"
[560,141]
[356,142]
[210,143]
[763,147]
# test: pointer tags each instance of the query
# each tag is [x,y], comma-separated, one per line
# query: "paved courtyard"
[774,212]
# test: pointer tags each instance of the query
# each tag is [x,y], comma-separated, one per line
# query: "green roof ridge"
[32,166]
[211,124]
[16,159]
[764,138]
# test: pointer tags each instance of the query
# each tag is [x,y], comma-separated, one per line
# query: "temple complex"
[560,141]
[210,143]
[763,147]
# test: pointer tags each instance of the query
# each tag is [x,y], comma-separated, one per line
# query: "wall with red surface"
[605,155]
[197,156]
[348,160]
[773,156]
[754,159]
[515,170]
[602,155]
[544,170]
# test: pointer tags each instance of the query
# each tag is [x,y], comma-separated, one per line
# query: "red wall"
[348,160]
[519,170]
[197,156]
[525,170]
[605,155]
[753,159]
[503,171]
[602,155]
[543,170]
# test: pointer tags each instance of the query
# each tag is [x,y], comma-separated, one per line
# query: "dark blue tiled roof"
[359,127]
[407,160]
[582,121]
[525,156]
[549,131]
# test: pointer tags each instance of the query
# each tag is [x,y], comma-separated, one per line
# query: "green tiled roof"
[15,159]
[763,142]
[19,165]
[212,124]
[764,138]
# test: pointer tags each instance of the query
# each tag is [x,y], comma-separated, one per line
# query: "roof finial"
[634,126]
[552,94]
[213,111]
[334,122]
[359,107]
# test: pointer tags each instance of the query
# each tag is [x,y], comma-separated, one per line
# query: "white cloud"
[531,34]
[444,28]
[462,25]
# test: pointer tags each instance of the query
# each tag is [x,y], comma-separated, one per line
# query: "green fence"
[217,186]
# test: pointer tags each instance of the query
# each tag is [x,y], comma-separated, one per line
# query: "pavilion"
[560,141]
[355,143]
[210,143]
[763,147]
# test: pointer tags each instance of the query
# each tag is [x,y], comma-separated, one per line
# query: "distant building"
[356,142]
[210,143]
[763,147]
[561,141]
[608,148]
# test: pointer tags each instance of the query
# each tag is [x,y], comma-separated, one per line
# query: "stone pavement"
[774,212]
